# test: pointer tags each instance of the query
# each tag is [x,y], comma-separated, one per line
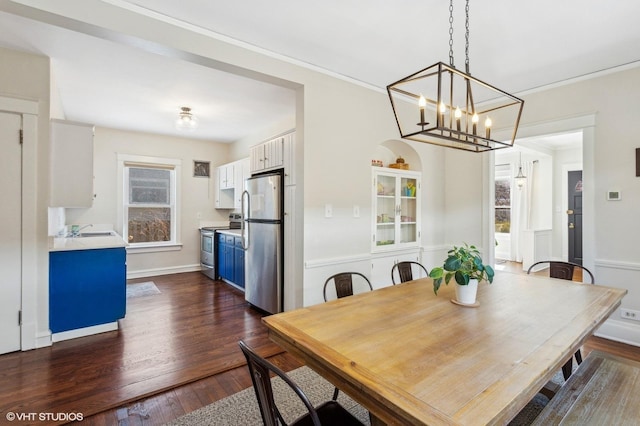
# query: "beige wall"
[196,194]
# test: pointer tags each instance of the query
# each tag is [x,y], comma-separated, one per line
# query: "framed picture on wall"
[201,168]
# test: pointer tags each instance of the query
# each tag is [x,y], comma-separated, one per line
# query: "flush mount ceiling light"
[520,179]
[186,120]
[444,106]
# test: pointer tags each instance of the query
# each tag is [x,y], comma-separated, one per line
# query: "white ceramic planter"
[466,294]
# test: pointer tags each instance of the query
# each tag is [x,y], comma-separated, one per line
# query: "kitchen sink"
[92,234]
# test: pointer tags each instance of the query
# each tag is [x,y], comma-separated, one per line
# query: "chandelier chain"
[466,45]
[451,33]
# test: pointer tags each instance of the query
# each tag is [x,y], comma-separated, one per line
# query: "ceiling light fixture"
[186,120]
[520,178]
[454,109]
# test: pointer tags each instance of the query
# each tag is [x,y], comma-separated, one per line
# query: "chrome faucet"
[76,232]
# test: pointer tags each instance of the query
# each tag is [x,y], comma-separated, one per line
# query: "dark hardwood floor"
[174,353]
[188,332]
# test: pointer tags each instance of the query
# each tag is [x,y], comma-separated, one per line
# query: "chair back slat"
[343,283]
[405,271]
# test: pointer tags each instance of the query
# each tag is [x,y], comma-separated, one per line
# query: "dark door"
[574,216]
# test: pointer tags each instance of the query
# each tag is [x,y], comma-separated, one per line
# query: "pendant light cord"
[466,36]
[466,46]
[451,33]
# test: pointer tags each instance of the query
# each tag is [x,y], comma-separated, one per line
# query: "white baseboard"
[620,331]
[82,332]
[143,273]
[43,340]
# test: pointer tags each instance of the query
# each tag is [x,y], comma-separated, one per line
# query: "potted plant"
[465,264]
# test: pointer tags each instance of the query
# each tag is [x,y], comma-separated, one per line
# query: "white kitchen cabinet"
[230,183]
[290,159]
[71,162]
[396,209]
[226,176]
[243,172]
[225,190]
[268,155]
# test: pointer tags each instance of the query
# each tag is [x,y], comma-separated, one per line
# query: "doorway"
[11,229]
[574,216]
[539,223]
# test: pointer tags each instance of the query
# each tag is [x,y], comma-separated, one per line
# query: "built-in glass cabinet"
[396,208]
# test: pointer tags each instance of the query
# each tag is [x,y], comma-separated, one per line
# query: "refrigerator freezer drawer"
[263,260]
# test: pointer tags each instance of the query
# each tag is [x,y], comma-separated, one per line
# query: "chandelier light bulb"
[422,102]
[475,118]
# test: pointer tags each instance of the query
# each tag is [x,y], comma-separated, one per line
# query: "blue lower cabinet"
[231,259]
[238,263]
[86,288]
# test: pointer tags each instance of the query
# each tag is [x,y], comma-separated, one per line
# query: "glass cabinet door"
[396,207]
[386,209]
[408,210]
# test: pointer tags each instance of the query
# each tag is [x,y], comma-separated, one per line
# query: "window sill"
[154,248]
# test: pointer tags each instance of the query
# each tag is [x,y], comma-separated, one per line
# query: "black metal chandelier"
[444,106]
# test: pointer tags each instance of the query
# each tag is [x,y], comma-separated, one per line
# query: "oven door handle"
[244,228]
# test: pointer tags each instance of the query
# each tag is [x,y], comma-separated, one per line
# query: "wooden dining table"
[414,358]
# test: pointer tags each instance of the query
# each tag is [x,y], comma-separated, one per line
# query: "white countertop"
[230,231]
[86,243]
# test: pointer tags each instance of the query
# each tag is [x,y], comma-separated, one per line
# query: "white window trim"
[176,243]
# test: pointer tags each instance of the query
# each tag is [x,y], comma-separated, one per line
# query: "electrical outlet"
[630,314]
[328,210]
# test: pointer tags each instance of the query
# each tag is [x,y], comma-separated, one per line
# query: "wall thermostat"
[614,195]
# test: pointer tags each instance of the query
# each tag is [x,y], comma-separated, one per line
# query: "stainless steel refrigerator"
[262,205]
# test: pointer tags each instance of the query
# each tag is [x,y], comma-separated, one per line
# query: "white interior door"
[10,231]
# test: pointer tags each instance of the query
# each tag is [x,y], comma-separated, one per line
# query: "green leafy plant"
[463,263]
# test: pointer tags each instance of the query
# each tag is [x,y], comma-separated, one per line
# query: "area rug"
[241,409]
[147,288]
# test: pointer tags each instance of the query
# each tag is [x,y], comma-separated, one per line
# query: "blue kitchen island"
[87,285]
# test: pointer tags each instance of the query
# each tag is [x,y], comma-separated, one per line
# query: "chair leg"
[335,394]
[579,357]
[567,368]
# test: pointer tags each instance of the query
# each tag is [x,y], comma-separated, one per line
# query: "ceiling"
[516,46]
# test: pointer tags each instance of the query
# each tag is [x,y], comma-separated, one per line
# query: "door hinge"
[21,136]
[19,317]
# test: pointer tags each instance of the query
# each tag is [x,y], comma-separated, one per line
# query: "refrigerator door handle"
[244,229]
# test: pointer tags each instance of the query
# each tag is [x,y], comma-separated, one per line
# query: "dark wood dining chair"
[343,284]
[327,413]
[564,271]
[405,271]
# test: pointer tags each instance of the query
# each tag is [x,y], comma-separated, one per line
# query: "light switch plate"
[356,210]
[328,210]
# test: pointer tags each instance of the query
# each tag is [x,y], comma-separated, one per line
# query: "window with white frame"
[503,198]
[149,201]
